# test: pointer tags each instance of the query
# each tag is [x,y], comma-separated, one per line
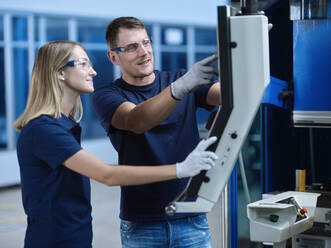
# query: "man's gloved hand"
[199,159]
[201,73]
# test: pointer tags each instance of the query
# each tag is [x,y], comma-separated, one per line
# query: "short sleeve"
[105,102]
[53,144]
[201,97]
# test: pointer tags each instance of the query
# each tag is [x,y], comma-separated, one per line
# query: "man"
[150,118]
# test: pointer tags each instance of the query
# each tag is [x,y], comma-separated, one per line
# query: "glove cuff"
[179,170]
[173,92]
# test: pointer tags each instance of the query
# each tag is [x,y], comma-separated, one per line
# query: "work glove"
[201,73]
[199,159]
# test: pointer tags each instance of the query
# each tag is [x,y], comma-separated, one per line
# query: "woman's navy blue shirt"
[56,199]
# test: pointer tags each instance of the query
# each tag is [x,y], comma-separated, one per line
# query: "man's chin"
[145,74]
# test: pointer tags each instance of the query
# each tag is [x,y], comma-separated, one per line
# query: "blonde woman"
[55,169]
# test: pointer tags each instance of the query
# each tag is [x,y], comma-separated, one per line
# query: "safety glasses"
[132,47]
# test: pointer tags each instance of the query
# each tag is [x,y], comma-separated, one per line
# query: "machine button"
[234,135]
[273,217]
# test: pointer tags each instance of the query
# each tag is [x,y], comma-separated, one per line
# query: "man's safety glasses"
[132,47]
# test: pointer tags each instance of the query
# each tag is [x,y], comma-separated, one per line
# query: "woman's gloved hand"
[199,159]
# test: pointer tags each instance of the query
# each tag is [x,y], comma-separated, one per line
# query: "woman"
[54,168]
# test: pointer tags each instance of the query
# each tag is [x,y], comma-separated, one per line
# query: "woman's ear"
[112,56]
[61,75]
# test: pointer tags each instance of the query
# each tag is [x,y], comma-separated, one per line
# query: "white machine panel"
[250,63]
[250,77]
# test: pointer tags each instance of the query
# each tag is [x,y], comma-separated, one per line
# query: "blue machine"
[311,72]
[298,94]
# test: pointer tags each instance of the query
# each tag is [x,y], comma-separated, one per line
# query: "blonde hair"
[45,93]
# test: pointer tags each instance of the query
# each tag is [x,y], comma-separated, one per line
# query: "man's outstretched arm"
[150,113]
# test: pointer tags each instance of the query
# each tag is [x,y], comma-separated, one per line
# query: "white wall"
[169,11]
[9,169]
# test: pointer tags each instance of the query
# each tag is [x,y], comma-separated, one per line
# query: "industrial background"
[183,32]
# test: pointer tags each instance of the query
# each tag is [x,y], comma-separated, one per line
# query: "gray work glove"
[199,159]
[201,73]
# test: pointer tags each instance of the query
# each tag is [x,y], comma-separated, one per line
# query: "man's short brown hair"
[121,22]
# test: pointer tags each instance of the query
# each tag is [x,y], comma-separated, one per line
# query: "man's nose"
[141,50]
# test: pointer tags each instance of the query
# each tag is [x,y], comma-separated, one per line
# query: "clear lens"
[132,47]
[86,64]
[146,42]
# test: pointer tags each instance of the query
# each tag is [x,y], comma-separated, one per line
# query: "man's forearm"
[214,95]
[151,112]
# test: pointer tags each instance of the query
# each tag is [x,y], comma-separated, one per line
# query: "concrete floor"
[105,202]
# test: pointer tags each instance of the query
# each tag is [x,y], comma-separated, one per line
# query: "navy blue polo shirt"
[56,199]
[169,142]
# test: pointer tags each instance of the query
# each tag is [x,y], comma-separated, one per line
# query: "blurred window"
[92,31]
[205,36]
[173,49]
[21,79]
[3,130]
[19,29]
[173,36]
[57,29]
[149,30]
[90,123]
[173,61]
[36,28]
[1,28]
[200,56]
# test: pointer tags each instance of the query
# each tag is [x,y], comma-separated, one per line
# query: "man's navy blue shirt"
[56,199]
[169,142]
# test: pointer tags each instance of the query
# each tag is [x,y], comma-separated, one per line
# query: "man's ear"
[61,75]
[113,57]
